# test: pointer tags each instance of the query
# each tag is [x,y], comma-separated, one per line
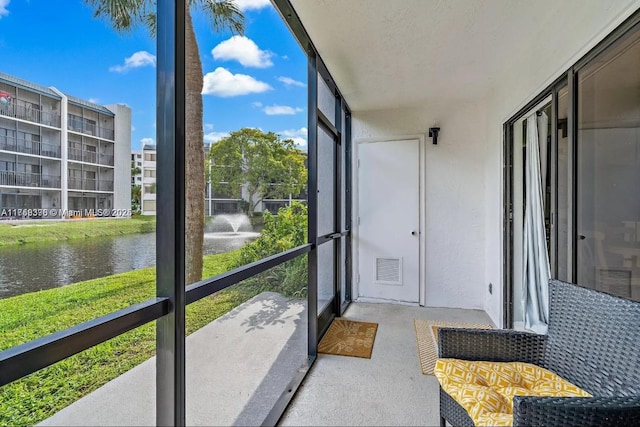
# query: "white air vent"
[388,271]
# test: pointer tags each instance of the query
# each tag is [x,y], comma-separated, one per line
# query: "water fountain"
[236,226]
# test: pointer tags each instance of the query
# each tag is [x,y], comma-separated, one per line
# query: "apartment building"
[214,204]
[59,153]
[148,172]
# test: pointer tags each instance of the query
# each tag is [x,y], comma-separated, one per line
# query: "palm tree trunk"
[194,168]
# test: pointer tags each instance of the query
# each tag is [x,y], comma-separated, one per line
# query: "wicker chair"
[593,341]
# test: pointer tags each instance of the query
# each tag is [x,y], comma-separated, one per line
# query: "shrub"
[281,232]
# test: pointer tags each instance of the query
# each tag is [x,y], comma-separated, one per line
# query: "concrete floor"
[389,388]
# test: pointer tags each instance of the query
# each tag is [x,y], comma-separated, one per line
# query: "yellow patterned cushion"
[486,389]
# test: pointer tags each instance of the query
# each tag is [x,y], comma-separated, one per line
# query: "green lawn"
[18,233]
[26,317]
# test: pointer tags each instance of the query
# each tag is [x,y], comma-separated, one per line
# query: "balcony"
[105,185]
[106,159]
[90,184]
[90,157]
[29,147]
[77,124]
[26,111]
[27,179]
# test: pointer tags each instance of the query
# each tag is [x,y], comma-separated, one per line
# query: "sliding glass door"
[589,175]
[608,170]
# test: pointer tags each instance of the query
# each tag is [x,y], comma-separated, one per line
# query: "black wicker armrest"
[576,411]
[494,345]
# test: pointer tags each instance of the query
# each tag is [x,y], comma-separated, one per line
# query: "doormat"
[349,338]
[427,339]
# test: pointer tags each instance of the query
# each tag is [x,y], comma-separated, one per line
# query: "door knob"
[413,233]
[581,237]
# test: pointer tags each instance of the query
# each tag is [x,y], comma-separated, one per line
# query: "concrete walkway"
[237,367]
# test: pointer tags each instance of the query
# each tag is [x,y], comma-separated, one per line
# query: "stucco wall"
[465,170]
[455,194]
[122,157]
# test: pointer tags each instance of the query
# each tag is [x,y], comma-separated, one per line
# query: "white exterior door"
[389,220]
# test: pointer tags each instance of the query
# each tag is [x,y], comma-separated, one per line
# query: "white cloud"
[277,110]
[138,59]
[94,100]
[211,136]
[256,104]
[244,50]
[5,3]
[215,136]
[221,82]
[147,141]
[299,136]
[252,4]
[133,128]
[288,81]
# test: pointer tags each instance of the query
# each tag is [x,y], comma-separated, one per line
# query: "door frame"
[547,97]
[422,186]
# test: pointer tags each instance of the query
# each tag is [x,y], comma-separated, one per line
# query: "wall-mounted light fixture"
[433,133]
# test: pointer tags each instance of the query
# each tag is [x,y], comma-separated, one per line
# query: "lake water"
[37,266]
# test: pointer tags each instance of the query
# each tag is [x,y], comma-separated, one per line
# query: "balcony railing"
[30,113]
[18,145]
[82,184]
[90,129]
[105,185]
[90,156]
[105,159]
[27,179]
[90,184]
[83,155]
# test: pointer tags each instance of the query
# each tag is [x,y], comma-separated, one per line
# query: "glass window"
[326,100]
[326,182]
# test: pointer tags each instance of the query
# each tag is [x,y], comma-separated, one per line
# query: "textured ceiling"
[400,53]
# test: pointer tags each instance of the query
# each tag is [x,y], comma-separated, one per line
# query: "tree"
[225,15]
[134,169]
[136,198]
[136,190]
[262,162]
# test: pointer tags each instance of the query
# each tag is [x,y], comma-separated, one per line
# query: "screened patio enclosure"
[399,226]
[271,340]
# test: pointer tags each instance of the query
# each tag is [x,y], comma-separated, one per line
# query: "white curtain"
[536,269]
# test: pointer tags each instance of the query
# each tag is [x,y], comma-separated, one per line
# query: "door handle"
[414,233]
[582,237]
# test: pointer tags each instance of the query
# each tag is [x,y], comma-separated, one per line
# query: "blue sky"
[258,80]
